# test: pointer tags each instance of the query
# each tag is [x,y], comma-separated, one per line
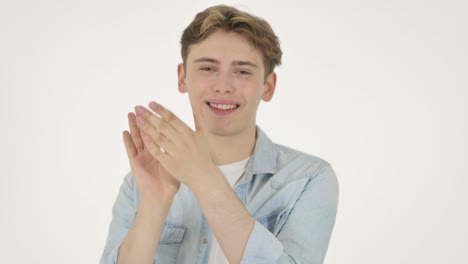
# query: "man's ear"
[181,78]
[270,85]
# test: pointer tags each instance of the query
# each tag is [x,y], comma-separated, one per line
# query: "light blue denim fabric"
[293,197]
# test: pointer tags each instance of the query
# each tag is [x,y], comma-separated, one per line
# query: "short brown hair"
[257,31]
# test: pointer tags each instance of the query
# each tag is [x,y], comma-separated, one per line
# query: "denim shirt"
[292,196]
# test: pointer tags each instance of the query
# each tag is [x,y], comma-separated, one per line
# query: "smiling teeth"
[223,106]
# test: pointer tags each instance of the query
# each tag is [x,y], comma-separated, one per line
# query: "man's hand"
[185,154]
[179,149]
[157,189]
[153,181]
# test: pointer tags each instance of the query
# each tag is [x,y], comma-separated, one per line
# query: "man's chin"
[222,132]
[228,131]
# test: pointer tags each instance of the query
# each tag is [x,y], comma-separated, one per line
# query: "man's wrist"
[206,180]
[157,202]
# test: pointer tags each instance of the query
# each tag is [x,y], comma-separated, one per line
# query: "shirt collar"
[263,160]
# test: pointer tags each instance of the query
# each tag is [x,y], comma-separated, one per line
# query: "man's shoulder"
[287,153]
[278,158]
[299,162]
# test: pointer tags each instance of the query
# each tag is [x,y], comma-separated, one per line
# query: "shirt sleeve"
[305,236]
[123,213]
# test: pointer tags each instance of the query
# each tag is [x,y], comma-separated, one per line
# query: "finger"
[155,136]
[161,156]
[170,118]
[153,148]
[148,119]
[135,131]
[129,146]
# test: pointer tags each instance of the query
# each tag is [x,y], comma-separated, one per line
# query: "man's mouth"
[223,106]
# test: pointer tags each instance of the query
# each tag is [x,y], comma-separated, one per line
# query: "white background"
[377,88]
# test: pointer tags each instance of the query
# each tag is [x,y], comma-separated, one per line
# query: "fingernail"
[139,109]
[153,104]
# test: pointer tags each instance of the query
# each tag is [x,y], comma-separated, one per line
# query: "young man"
[222,193]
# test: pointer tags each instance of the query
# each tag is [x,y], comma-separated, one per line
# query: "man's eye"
[242,72]
[206,68]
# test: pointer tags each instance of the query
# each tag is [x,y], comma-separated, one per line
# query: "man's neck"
[229,149]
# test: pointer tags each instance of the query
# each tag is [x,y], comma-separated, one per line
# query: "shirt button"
[204,241]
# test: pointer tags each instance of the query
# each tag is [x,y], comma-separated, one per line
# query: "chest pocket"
[277,208]
[274,221]
[169,243]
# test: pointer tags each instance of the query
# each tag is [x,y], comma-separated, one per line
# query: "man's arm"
[305,228]
[304,237]
[186,156]
[157,189]
[142,239]
[230,221]
[242,239]
[123,213]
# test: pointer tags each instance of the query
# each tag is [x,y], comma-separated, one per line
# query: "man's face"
[225,80]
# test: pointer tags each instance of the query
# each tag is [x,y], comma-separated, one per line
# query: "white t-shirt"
[232,172]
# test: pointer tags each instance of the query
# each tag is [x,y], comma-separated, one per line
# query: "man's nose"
[224,84]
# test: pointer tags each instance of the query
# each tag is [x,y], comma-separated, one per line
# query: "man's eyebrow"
[242,63]
[235,63]
[206,59]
